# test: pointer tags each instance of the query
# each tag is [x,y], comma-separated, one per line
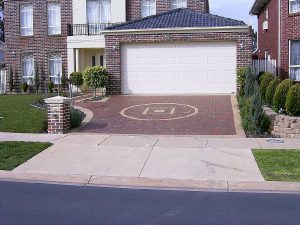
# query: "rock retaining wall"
[282,125]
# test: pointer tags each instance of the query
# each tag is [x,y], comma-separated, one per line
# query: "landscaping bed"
[13,154]
[270,107]
[279,165]
[18,115]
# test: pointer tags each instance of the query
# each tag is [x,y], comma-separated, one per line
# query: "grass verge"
[13,154]
[279,165]
[17,115]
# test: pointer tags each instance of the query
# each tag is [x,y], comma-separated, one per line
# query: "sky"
[235,9]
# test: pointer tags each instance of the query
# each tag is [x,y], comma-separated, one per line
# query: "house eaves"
[258,6]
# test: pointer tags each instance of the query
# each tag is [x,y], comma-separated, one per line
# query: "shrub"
[76,117]
[51,87]
[254,120]
[241,77]
[261,77]
[293,101]
[266,80]
[281,94]
[96,77]
[25,87]
[76,78]
[247,123]
[271,91]
[249,83]
[258,77]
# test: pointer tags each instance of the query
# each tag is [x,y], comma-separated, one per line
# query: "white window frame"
[178,4]
[149,5]
[27,27]
[290,57]
[290,7]
[56,57]
[28,78]
[53,6]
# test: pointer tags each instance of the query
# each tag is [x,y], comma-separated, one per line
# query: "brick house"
[189,50]
[279,34]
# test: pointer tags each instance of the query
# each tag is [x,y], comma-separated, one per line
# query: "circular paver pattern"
[159,111]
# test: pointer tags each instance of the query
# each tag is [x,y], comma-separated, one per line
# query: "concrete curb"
[149,183]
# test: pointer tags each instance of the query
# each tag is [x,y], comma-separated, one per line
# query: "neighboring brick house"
[36,34]
[279,34]
[200,51]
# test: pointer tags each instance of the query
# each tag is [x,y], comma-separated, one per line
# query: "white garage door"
[181,68]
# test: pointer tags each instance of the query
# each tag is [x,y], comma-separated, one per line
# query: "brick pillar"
[58,115]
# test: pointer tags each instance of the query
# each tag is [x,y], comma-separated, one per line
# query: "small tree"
[25,87]
[11,79]
[96,77]
[76,78]
[249,83]
[37,78]
[51,87]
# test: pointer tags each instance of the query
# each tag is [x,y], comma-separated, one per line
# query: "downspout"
[279,39]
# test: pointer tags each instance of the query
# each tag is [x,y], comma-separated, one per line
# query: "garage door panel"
[178,68]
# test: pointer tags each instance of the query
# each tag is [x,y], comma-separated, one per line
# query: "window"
[55,68]
[28,69]
[294,6]
[54,18]
[26,20]
[148,7]
[179,4]
[99,11]
[98,15]
[295,60]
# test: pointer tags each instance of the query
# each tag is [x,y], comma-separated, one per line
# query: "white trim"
[179,30]
[290,56]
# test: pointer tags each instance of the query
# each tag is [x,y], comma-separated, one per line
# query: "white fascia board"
[178,30]
[84,41]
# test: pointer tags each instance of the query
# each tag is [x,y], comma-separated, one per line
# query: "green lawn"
[279,165]
[17,115]
[13,154]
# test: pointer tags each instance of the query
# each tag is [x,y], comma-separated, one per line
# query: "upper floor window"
[28,68]
[55,68]
[54,18]
[26,20]
[98,11]
[294,6]
[295,59]
[148,8]
[179,4]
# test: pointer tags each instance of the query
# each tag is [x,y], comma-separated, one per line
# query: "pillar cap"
[58,100]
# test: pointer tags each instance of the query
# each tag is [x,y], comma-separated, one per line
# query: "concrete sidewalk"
[216,163]
[163,141]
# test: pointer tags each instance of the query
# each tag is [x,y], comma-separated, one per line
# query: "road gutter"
[156,184]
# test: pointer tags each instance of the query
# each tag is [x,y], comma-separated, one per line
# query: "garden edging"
[283,125]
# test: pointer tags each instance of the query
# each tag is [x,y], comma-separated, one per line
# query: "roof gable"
[178,18]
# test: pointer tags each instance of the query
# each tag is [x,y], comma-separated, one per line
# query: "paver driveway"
[162,115]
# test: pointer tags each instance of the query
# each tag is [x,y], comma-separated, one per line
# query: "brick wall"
[134,7]
[268,39]
[113,54]
[290,25]
[40,44]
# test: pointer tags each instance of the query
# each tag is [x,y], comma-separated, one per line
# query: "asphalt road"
[41,204]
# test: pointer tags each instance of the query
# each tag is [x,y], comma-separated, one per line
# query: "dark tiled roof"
[178,18]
